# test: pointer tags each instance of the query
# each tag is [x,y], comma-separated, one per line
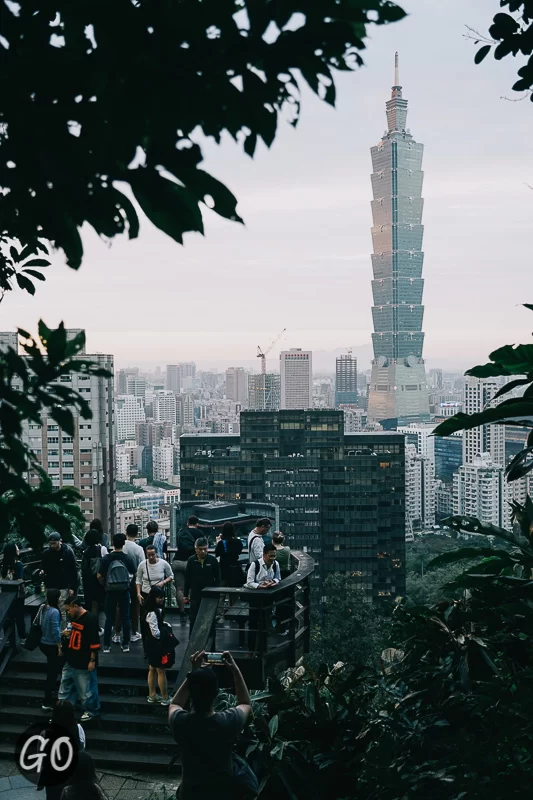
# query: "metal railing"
[266,630]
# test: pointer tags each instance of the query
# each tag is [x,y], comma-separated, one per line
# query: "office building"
[185,410]
[264,392]
[136,386]
[296,375]
[488,439]
[341,497]
[9,339]
[435,378]
[129,410]
[448,456]
[149,434]
[237,384]
[87,459]
[164,407]
[345,380]
[354,420]
[421,435]
[398,387]
[172,380]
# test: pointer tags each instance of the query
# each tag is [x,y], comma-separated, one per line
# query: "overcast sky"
[302,261]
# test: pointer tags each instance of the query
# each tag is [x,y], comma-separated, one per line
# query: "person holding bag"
[206,738]
[160,646]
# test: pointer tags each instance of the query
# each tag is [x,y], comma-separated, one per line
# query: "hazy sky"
[302,261]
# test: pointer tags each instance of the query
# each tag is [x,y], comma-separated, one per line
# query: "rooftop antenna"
[396,70]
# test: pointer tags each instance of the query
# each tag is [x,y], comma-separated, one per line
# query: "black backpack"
[258,567]
[90,565]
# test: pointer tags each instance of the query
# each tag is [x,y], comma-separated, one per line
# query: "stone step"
[155,723]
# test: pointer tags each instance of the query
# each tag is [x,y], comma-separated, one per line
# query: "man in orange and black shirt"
[80,646]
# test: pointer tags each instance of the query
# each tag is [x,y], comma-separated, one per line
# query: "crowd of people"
[126,577]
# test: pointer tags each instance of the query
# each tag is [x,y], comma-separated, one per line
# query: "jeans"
[61,605]
[53,668]
[82,684]
[112,600]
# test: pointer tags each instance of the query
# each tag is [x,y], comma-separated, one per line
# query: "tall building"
[164,405]
[481,491]
[129,410]
[341,497]
[485,438]
[87,459]
[264,392]
[163,461]
[296,375]
[172,381]
[448,456]
[236,384]
[136,386]
[419,489]
[185,410]
[345,380]
[9,339]
[421,435]
[149,434]
[398,388]
[123,464]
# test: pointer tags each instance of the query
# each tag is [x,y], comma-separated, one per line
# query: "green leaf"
[64,419]
[37,262]
[35,274]
[518,412]
[273,726]
[465,554]
[203,184]
[482,53]
[25,283]
[170,207]
[511,385]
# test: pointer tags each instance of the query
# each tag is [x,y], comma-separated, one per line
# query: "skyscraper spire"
[396,70]
[396,106]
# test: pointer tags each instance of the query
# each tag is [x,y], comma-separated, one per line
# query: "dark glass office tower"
[341,497]
[398,387]
[345,380]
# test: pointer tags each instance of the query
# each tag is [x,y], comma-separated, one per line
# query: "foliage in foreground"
[30,385]
[447,715]
[98,95]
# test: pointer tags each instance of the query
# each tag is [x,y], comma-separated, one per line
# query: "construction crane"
[262,354]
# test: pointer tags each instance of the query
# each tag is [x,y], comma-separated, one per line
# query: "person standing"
[204,730]
[81,646]
[202,571]
[185,549]
[93,591]
[228,550]
[116,573]
[13,570]
[256,541]
[155,635]
[96,525]
[153,571]
[152,529]
[263,574]
[59,571]
[136,553]
[50,645]
[283,554]
[63,722]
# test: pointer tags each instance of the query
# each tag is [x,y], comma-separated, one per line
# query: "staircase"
[130,734]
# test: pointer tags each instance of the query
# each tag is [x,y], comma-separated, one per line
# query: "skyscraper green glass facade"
[341,497]
[398,384]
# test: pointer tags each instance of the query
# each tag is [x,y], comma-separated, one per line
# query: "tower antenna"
[396,70]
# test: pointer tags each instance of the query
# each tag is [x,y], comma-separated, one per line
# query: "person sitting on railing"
[13,570]
[210,768]
[202,571]
[262,574]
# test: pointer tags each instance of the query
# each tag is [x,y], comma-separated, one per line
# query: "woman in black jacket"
[228,550]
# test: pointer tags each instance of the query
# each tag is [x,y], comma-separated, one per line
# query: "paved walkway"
[117,786]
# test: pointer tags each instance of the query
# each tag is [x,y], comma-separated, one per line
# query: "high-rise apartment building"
[164,406]
[345,380]
[87,459]
[421,435]
[185,410]
[9,339]
[488,439]
[149,434]
[341,497]
[129,410]
[236,384]
[481,491]
[398,388]
[163,461]
[296,375]
[264,392]
[419,489]
[123,464]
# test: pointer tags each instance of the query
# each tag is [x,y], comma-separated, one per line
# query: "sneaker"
[116,638]
[136,637]
[100,631]
[47,708]
[126,648]
[153,700]
[106,650]
[166,702]
[85,717]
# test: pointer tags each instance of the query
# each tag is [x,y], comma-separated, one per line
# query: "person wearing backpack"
[93,591]
[185,549]
[116,572]
[256,540]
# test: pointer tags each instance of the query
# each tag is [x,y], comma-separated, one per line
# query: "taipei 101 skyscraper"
[398,389]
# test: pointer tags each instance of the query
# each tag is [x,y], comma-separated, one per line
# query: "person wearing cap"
[202,730]
[59,571]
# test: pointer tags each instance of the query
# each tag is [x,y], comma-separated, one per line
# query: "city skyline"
[306,205]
